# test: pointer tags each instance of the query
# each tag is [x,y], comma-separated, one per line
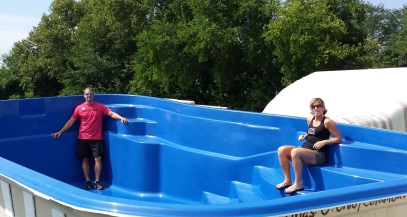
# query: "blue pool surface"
[175,159]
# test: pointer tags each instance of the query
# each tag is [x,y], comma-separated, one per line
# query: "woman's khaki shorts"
[319,157]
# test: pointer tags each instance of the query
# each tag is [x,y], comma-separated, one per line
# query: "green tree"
[35,64]
[9,72]
[386,39]
[234,53]
[53,42]
[211,52]
[394,52]
[21,77]
[313,35]
[105,45]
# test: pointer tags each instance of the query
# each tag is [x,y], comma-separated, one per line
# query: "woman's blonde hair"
[320,101]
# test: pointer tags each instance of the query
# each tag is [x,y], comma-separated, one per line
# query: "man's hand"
[125,120]
[55,135]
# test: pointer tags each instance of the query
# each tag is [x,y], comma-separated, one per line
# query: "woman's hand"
[319,144]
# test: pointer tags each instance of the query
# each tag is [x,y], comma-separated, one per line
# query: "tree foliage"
[234,53]
[104,46]
[394,48]
[211,52]
[312,35]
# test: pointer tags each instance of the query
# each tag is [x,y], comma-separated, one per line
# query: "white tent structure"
[368,97]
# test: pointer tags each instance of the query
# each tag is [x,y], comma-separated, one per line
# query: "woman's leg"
[300,156]
[284,157]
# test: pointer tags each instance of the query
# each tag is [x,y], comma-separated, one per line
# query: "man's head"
[88,94]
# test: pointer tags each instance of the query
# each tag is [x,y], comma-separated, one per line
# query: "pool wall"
[175,159]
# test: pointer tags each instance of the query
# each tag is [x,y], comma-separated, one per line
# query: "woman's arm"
[304,136]
[337,138]
[331,126]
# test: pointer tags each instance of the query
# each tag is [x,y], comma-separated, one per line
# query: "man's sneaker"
[98,185]
[87,185]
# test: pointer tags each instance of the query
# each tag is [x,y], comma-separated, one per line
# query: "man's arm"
[67,125]
[116,116]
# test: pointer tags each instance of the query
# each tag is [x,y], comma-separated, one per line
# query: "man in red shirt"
[90,137]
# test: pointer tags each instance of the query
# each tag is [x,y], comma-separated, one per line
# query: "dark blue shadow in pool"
[175,159]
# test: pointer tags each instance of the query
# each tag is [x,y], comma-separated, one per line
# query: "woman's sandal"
[283,185]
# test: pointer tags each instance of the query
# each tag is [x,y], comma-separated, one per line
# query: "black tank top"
[316,134]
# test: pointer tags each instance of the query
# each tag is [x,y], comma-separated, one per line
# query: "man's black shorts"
[89,148]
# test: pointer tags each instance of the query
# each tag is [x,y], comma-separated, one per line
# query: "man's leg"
[85,168]
[97,151]
[98,167]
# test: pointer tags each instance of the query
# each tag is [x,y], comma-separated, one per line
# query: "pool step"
[129,111]
[267,174]
[141,139]
[135,126]
[240,193]
[261,188]
[267,178]
[246,193]
[349,176]
[367,174]
[210,198]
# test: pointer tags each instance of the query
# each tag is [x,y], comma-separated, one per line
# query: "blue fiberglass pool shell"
[175,159]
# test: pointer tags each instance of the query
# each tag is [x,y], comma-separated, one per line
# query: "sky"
[18,17]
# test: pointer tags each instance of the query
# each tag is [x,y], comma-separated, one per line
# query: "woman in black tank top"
[312,152]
